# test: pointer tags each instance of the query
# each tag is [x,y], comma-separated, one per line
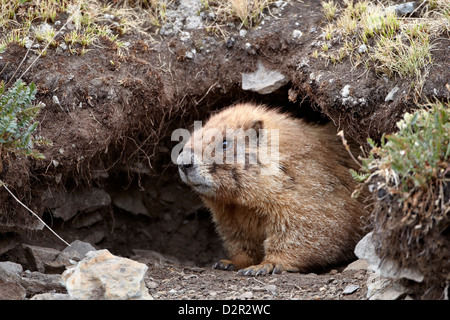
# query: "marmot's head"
[228,156]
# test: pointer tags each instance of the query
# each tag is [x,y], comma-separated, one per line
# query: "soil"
[111,130]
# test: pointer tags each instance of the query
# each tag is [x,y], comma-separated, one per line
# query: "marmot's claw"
[261,269]
[224,265]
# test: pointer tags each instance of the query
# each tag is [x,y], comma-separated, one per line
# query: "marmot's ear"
[257,125]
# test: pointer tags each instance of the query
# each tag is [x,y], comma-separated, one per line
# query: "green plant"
[18,119]
[329,9]
[417,156]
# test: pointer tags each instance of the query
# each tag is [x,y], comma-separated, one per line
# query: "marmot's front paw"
[262,269]
[224,265]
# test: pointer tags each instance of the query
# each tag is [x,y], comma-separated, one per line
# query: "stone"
[51,296]
[246,295]
[297,34]
[11,290]
[37,282]
[150,256]
[87,219]
[365,249]
[362,48]
[131,202]
[351,288]
[104,276]
[8,268]
[66,206]
[359,264]
[345,92]
[391,94]
[38,257]
[381,288]
[263,81]
[403,9]
[76,251]
[7,243]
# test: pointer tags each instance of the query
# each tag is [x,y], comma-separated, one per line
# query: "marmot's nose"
[183,163]
[185,166]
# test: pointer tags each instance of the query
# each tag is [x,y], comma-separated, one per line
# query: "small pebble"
[351,288]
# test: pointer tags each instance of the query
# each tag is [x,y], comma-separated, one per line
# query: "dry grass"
[396,46]
[247,12]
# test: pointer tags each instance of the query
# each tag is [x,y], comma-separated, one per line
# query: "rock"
[132,202]
[184,17]
[37,282]
[150,256]
[381,288]
[390,95]
[10,287]
[66,206]
[345,92]
[271,288]
[362,48]
[38,257]
[77,250]
[246,295]
[8,268]
[51,296]
[357,265]
[403,9]
[11,290]
[365,249]
[69,256]
[103,276]
[296,34]
[263,81]
[86,219]
[242,33]
[351,288]
[191,54]
[7,243]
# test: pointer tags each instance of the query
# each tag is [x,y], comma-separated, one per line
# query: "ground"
[111,122]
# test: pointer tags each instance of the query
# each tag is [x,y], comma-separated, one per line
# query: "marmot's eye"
[226,144]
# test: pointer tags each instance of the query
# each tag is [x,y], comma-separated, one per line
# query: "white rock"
[345,92]
[246,295]
[185,36]
[103,276]
[263,81]
[365,249]
[390,95]
[296,34]
[56,100]
[50,296]
[351,288]
[362,48]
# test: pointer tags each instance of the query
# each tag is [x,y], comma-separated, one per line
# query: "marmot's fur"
[293,212]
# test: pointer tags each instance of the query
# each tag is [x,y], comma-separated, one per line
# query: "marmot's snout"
[192,172]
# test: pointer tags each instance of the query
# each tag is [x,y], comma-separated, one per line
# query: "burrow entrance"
[147,212]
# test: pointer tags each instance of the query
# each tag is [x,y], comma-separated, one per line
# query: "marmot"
[293,211]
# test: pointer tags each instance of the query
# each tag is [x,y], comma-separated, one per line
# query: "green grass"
[396,46]
[417,156]
[20,21]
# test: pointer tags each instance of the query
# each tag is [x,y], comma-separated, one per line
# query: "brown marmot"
[294,210]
